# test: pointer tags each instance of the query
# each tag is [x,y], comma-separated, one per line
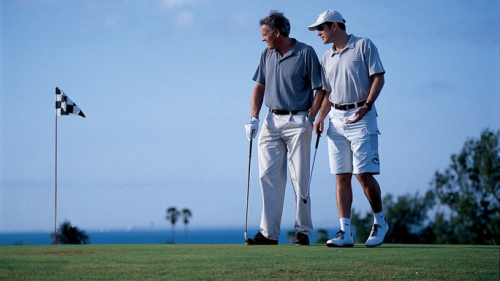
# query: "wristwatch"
[368,105]
[311,118]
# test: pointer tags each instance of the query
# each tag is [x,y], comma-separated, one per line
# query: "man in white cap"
[353,77]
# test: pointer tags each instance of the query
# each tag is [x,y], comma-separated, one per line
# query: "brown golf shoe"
[301,239]
[260,239]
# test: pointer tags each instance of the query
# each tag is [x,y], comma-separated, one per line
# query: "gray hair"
[277,20]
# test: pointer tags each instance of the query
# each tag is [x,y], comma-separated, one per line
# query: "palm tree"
[172,216]
[322,236]
[70,234]
[290,236]
[186,214]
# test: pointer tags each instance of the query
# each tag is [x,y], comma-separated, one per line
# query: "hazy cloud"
[111,21]
[438,85]
[177,3]
[185,19]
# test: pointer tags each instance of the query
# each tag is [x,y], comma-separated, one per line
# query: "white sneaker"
[377,235]
[342,239]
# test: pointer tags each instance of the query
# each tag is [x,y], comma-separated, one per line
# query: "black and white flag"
[64,106]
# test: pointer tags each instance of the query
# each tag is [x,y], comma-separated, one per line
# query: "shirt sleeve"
[314,69]
[260,75]
[372,59]
[324,79]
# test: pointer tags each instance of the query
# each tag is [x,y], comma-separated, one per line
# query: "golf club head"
[249,241]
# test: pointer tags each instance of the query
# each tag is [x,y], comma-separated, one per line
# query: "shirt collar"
[289,53]
[350,45]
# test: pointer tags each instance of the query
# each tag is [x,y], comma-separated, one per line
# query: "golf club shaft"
[248,183]
[312,168]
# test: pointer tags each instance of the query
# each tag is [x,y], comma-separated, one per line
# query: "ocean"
[196,236]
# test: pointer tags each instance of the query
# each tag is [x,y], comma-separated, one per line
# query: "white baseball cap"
[327,16]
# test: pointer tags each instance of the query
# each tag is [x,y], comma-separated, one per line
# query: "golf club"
[248,241]
[304,199]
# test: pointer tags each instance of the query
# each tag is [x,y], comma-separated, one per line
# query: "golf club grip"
[317,140]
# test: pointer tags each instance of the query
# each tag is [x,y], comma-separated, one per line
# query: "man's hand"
[252,126]
[359,114]
[318,127]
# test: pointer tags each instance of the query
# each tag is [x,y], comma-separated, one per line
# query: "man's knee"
[365,178]
[368,182]
[343,179]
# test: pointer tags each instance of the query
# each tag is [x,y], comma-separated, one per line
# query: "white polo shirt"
[347,75]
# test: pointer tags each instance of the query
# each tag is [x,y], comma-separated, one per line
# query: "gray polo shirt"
[289,80]
[347,75]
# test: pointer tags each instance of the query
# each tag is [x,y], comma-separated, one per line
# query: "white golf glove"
[252,125]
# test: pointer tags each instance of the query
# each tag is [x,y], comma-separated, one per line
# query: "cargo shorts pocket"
[372,132]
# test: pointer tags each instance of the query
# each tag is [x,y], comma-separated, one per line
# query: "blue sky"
[166,84]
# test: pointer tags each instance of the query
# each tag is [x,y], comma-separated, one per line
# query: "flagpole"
[64,106]
[55,191]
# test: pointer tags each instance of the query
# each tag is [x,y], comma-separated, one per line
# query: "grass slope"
[240,262]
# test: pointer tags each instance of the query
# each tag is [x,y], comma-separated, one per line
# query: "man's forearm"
[326,105]
[317,102]
[257,100]
[377,85]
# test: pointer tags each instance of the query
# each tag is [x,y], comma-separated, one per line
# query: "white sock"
[378,218]
[345,225]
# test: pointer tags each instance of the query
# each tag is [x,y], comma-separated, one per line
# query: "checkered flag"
[64,106]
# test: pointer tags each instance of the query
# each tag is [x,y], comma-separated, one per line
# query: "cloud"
[111,21]
[184,19]
[177,3]
[438,85]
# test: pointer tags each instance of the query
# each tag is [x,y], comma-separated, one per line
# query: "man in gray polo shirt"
[288,73]
[353,77]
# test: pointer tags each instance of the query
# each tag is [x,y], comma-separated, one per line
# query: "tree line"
[70,234]
[462,205]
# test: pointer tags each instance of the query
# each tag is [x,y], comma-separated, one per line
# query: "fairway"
[240,262]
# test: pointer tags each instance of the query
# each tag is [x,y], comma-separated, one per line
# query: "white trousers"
[284,141]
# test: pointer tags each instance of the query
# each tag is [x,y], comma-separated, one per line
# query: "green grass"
[240,262]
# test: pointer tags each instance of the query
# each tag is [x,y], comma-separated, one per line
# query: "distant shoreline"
[145,236]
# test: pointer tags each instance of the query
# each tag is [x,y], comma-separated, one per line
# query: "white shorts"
[353,148]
